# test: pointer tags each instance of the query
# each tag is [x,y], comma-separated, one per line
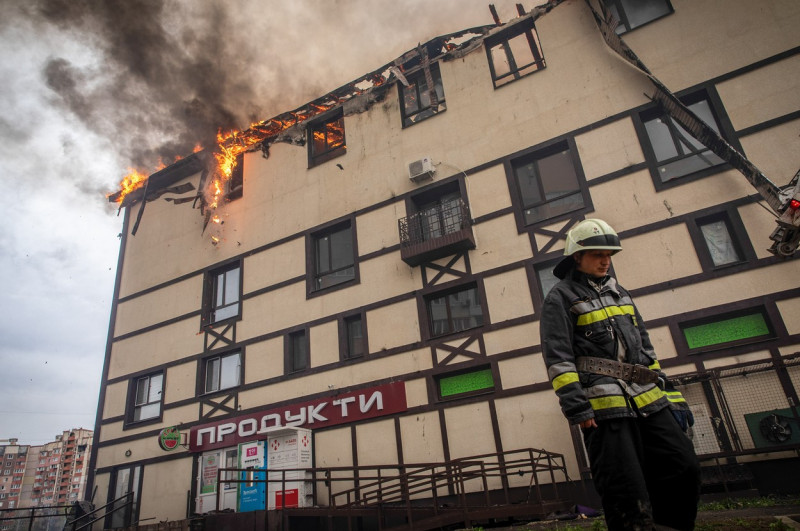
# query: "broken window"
[222,372]
[550,183]
[147,396]
[235,185]
[454,310]
[326,139]
[424,95]
[634,13]
[334,254]
[296,352]
[222,294]
[672,152]
[514,53]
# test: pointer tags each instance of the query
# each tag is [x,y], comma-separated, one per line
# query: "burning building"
[369,268]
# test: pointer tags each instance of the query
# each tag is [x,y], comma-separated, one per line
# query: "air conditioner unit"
[421,170]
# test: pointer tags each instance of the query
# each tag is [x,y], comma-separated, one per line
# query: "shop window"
[423,97]
[465,383]
[354,337]
[147,397]
[454,310]
[550,183]
[672,153]
[634,13]
[222,372]
[727,330]
[514,53]
[296,352]
[326,139]
[222,294]
[333,254]
[721,240]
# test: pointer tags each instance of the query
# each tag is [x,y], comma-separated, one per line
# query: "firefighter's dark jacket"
[579,319]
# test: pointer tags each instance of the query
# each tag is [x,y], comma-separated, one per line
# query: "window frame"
[422,113]
[130,513]
[688,98]
[540,152]
[289,354]
[345,347]
[202,372]
[624,21]
[312,275]
[130,410]
[332,151]
[210,295]
[501,39]
[547,262]
[683,344]
[426,315]
[437,382]
[422,200]
[736,230]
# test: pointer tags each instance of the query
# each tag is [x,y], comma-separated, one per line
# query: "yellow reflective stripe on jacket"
[655,366]
[648,398]
[675,396]
[605,313]
[563,379]
[606,402]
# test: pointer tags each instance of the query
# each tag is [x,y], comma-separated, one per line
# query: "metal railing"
[431,223]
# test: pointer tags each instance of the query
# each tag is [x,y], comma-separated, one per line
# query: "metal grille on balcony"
[436,232]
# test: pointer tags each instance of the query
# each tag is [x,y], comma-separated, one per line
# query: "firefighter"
[605,373]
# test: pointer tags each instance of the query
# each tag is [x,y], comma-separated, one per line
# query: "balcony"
[435,233]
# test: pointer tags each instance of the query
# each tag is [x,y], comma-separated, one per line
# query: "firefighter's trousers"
[645,471]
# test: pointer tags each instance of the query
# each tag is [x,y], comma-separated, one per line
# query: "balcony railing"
[435,233]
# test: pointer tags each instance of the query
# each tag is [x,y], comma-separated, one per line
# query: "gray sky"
[90,88]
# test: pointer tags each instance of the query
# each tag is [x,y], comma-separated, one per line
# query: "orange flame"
[133,181]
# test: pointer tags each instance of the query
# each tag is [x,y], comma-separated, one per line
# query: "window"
[296,353]
[465,383]
[355,344]
[514,53]
[418,100]
[634,13]
[727,329]
[326,139]
[126,481]
[147,397]
[223,293]
[722,240]
[454,311]
[550,183]
[222,372]
[545,276]
[333,252]
[672,152]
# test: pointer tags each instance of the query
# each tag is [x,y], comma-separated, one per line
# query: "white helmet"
[587,234]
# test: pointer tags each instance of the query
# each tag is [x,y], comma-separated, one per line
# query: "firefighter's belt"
[623,371]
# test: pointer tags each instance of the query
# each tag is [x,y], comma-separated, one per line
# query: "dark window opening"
[326,140]
[454,311]
[235,185]
[634,13]
[514,53]
[465,383]
[334,257]
[356,340]
[545,277]
[419,101]
[674,153]
[147,397]
[550,184]
[222,372]
[223,294]
[727,330]
[296,352]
